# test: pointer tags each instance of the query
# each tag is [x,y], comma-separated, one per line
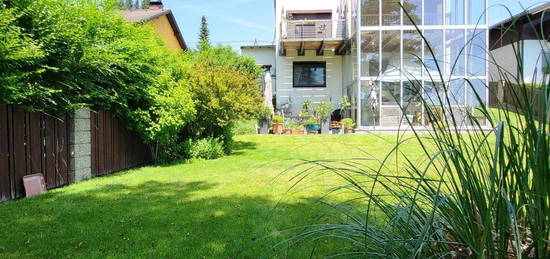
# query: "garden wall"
[67,149]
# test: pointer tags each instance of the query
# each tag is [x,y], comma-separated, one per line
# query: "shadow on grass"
[152,219]
[241,147]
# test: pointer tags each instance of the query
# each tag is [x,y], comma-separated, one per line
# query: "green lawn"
[232,207]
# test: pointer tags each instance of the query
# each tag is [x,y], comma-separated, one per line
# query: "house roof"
[258,47]
[145,15]
[532,11]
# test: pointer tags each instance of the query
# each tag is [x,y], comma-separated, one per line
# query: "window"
[455,12]
[391,53]
[433,12]
[414,9]
[370,12]
[391,12]
[309,74]
[476,12]
[370,44]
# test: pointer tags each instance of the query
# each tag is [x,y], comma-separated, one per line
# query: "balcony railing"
[313,29]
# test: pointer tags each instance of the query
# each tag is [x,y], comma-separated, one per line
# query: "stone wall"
[80,146]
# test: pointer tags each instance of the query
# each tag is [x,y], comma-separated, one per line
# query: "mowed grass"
[233,207]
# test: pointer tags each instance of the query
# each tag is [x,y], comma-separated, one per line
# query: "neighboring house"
[265,58]
[367,49]
[519,46]
[162,20]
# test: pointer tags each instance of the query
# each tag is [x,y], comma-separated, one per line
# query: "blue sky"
[240,22]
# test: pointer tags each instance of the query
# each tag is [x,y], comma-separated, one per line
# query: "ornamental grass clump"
[480,190]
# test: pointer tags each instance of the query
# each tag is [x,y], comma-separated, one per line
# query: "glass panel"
[456,92]
[476,12]
[477,87]
[370,55]
[414,9]
[455,12]
[370,13]
[456,52]
[391,53]
[369,103]
[390,116]
[435,40]
[412,55]
[476,101]
[433,12]
[391,12]
[412,102]
[477,52]
[434,111]
[391,92]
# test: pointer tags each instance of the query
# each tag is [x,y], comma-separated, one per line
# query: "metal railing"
[313,29]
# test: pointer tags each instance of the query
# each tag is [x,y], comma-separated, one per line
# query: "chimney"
[156,5]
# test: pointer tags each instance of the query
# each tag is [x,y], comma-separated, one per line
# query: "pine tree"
[136,5]
[128,5]
[204,35]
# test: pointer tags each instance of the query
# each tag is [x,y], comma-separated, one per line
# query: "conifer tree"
[204,35]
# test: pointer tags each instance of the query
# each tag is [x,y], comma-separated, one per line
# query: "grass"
[230,207]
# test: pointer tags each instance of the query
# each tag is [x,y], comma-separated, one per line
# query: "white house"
[520,47]
[370,51]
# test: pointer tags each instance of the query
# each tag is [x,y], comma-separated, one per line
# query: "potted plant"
[298,130]
[288,126]
[324,110]
[312,125]
[264,117]
[335,127]
[348,125]
[277,124]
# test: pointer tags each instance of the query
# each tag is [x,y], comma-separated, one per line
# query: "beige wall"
[163,27]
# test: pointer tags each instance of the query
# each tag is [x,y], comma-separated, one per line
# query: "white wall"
[263,55]
[505,57]
[286,93]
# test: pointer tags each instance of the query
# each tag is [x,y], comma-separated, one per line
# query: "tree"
[145,4]
[204,35]
[136,5]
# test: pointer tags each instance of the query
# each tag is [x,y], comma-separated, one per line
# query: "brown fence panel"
[115,148]
[31,143]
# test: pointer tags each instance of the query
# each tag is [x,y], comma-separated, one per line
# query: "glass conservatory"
[394,67]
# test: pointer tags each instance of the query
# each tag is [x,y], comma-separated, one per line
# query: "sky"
[244,22]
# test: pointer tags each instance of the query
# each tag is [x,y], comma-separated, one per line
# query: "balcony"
[319,35]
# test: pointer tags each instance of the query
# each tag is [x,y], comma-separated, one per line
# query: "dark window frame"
[310,63]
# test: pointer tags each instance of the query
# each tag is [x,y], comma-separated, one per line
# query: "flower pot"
[349,130]
[313,132]
[287,131]
[312,128]
[325,127]
[335,130]
[277,128]
[297,132]
[264,128]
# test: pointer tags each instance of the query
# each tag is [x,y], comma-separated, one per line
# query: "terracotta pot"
[287,131]
[312,132]
[349,130]
[297,132]
[277,128]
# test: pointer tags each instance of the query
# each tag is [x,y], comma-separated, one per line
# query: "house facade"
[524,36]
[371,52]
[162,21]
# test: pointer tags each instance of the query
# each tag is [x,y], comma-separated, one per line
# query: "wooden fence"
[31,143]
[114,148]
[513,97]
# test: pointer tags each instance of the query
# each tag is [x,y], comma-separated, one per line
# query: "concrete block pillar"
[81,146]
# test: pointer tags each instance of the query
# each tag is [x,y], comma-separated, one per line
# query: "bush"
[172,153]
[206,148]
